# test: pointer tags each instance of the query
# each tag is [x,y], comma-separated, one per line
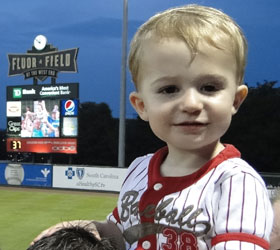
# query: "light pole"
[121,154]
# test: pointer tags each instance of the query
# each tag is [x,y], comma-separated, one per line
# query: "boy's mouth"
[191,127]
[191,123]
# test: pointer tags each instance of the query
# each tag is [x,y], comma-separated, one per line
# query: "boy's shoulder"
[237,168]
[140,162]
[144,161]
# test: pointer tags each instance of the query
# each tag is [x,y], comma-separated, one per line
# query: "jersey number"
[183,241]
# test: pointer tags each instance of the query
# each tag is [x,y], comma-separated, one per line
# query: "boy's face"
[188,103]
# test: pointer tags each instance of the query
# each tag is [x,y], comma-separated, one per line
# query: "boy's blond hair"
[192,23]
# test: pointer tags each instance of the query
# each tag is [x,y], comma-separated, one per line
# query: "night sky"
[95,27]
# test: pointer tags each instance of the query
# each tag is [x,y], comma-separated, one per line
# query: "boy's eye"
[169,90]
[209,88]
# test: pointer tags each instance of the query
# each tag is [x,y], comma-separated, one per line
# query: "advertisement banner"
[13,126]
[26,174]
[88,178]
[43,91]
[70,127]
[42,145]
[69,107]
[13,109]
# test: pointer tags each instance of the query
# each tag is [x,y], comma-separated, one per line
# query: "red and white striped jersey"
[223,205]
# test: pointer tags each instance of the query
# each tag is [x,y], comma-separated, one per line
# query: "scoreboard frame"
[66,95]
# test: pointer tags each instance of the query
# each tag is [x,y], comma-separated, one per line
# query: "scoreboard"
[42,118]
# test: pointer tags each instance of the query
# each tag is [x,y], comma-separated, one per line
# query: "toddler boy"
[187,64]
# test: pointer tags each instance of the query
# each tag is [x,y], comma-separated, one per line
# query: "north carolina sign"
[43,65]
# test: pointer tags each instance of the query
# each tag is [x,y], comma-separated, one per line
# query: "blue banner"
[26,174]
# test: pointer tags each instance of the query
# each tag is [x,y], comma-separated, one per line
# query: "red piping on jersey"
[243,237]
[154,168]
[116,215]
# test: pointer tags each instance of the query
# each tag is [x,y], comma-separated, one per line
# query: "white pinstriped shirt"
[224,205]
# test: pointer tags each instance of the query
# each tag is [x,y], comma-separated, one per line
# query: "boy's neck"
[182,162]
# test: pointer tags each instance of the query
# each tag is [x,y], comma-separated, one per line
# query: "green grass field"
[24,213]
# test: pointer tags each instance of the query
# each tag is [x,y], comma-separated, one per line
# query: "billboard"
[13,126]
[43,91]
[40,145]
[13,109]
[42,118]
[88,178]
[70,127]
[69,107]
[26,174]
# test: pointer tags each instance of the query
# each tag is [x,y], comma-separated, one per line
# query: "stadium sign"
[36,120]
[43,65]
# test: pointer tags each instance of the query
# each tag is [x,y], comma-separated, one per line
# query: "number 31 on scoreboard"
[15,145]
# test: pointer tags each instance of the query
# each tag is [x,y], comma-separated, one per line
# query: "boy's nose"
[191,101]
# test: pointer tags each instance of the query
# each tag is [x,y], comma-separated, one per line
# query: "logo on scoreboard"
[69,107]
[17,93]
[13,126]
[14,109]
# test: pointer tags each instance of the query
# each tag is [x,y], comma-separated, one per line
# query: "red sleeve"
[240,237]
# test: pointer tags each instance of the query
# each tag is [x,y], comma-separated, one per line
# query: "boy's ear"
[138,104]
[240,96]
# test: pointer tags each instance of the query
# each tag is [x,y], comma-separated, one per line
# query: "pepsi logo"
[69,106]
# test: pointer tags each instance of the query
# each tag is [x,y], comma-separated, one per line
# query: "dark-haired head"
[74,238]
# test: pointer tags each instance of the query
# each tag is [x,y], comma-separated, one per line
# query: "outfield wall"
[96,178]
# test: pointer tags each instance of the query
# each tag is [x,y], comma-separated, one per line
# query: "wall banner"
[26,174]
[89,178]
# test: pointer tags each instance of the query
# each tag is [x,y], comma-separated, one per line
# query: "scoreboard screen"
[42,118]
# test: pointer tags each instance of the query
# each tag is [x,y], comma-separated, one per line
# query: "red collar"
[154,167]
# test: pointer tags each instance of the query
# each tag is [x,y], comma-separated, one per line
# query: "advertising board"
[13,109]
[88,178]
[26,174]
[42,145]
[43,91]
